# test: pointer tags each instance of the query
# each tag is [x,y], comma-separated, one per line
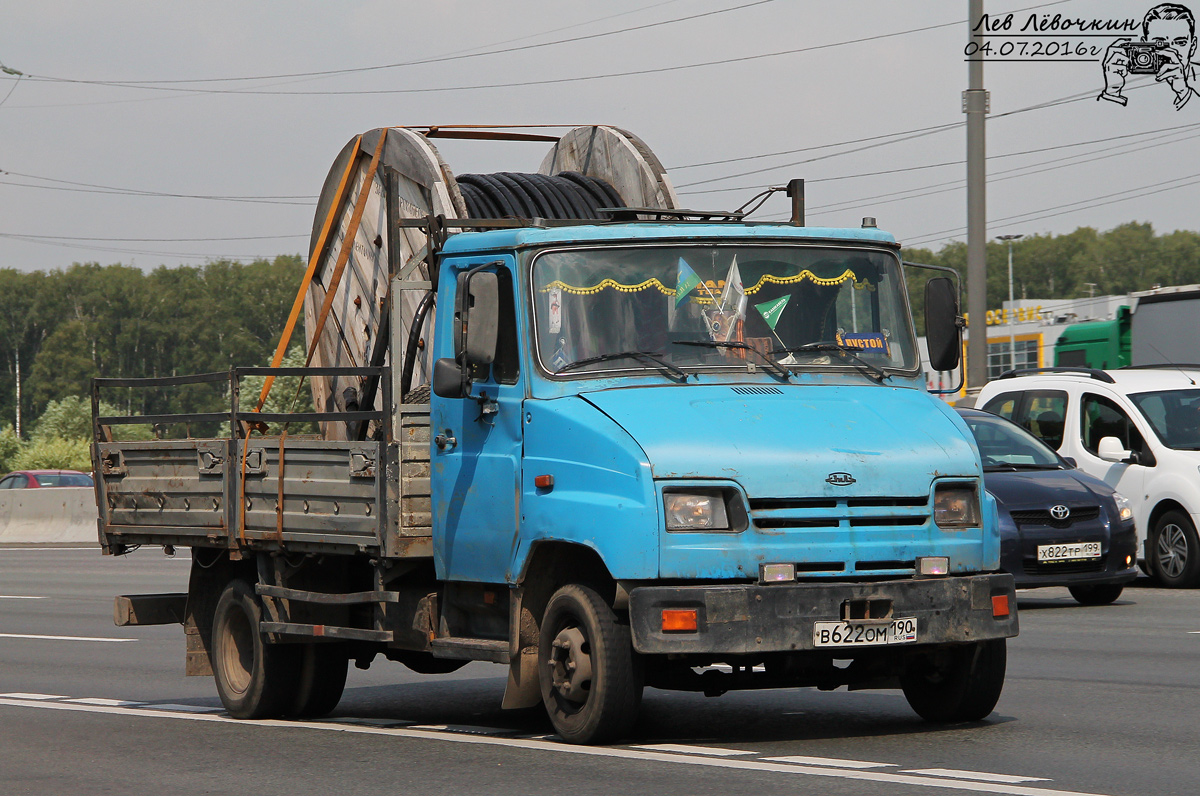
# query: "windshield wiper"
[772,365]
[874,371]
[643,356]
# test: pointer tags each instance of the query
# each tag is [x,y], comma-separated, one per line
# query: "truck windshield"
[1174,415]
[699,307]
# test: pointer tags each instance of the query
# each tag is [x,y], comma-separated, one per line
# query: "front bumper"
[750,618]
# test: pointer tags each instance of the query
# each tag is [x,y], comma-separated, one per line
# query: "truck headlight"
[1124,507]
[955,506]
[699,510]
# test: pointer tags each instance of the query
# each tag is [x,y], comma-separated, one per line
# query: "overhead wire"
[526,83]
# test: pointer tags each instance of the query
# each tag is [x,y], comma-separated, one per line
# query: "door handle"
[444,441]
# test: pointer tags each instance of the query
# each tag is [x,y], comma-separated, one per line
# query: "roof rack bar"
[1094,373]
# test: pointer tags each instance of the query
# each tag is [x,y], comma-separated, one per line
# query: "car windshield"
[1007,446]
[1174,415]
[64,479]
[719,306]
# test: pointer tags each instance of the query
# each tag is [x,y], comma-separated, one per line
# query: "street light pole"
[1012,337]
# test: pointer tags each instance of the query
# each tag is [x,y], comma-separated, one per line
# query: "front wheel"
[1105,594]
[255,680]
[959,683]
[590,679]
[1175,551]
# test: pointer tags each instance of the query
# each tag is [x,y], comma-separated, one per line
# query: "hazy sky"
[67,143]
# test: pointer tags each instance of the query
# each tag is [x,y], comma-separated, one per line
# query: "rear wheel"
[590,679]
[255,680]
[1101,594]
[1175,551]
[960,683]
[321,680]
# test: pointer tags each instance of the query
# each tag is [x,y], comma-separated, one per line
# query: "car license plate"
[1068,552]
[854,634]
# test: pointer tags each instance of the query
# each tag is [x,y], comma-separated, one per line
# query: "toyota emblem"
[1060,512]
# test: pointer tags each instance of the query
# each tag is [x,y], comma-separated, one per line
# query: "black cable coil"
[566,195]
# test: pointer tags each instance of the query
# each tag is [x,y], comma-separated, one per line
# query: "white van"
[1136,428]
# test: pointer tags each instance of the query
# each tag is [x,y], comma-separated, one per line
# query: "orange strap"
[314,260]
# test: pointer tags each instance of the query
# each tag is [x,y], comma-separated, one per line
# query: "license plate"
[1068,552]
[874,634]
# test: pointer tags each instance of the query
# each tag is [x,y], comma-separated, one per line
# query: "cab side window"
[1099,418]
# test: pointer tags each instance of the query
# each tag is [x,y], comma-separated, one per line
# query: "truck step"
[326,598]
[471,649]
[325,631]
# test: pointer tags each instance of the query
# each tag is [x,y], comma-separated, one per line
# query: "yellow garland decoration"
[653,282]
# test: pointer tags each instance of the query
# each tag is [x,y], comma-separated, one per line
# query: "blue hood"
[788,440]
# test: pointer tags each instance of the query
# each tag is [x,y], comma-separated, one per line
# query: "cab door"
[475,451]
[1099,417]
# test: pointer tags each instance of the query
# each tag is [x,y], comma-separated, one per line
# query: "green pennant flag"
[686,281]
[771,310]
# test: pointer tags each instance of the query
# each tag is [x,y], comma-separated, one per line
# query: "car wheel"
[1176,551]
[959,683]
[589,676]
[1102,594]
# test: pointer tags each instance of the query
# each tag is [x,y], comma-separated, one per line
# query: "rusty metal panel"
[163,486]
[329,489]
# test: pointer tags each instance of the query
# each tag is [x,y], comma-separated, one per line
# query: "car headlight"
[1124,507]
[955,506]
[701,510]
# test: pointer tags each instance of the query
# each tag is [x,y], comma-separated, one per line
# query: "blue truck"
[654,449]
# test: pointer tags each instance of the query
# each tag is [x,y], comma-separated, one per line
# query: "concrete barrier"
[48,516]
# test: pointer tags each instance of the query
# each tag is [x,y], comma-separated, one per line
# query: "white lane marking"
[561,748]
[114,703]
[832,762]
[19,597]
[171,706]
[694,750]
[95,549]
[979,775]
[1193,632]
[20,695]
[62,638]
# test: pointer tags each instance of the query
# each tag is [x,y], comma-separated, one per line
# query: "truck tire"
[1175,551]
[1101,594]
[255,680]
[321,680]
[960,683]
[590,679]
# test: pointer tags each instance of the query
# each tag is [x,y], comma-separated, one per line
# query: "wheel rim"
[237,652]
[1172,550]
[570,665]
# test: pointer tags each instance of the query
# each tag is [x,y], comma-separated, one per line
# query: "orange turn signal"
[543,481]
[999,605]
[679,620]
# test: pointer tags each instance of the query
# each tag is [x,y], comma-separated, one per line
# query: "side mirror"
[942,333]
[1071,461]
[477,318]
[448,379]
[1110,450]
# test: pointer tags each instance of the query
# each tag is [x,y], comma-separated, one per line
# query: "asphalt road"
[1098,700]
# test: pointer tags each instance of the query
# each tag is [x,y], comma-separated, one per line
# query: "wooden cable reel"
[419,183]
